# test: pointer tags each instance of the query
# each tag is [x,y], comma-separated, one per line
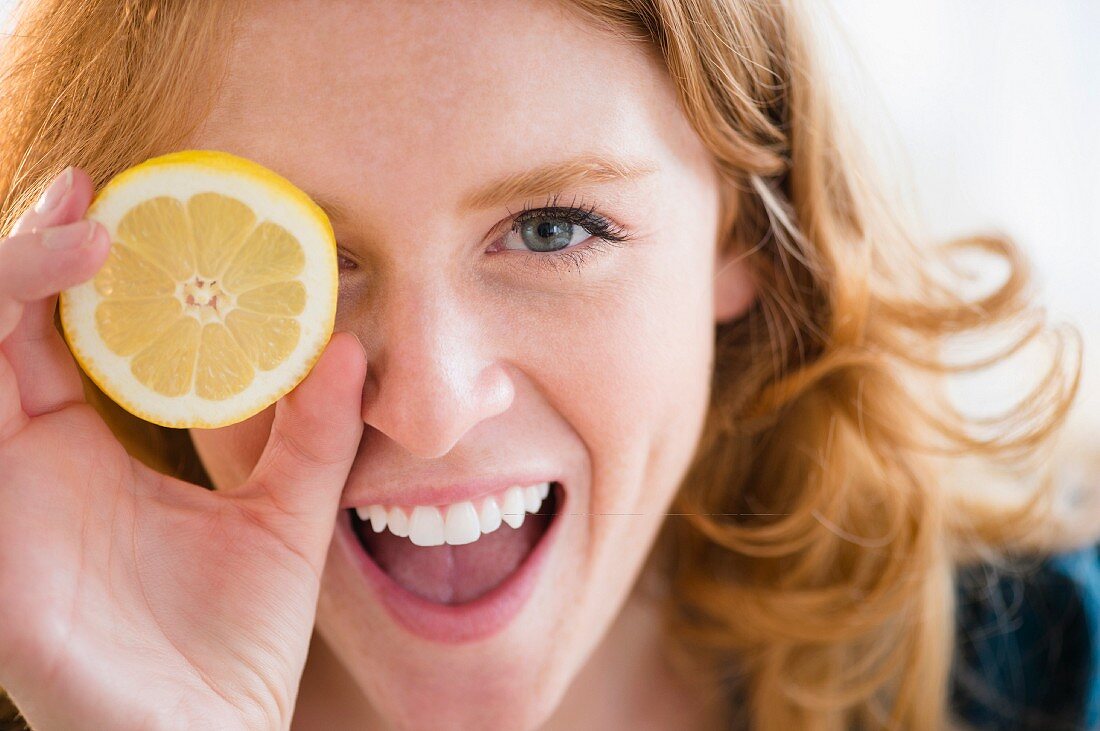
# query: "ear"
[734,291]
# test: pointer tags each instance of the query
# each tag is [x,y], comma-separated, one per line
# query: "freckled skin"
[478,361]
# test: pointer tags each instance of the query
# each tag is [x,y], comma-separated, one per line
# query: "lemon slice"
[217,296]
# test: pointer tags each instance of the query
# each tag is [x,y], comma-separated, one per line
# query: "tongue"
[455,574]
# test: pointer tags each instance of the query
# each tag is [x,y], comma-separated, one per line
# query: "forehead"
[423,92]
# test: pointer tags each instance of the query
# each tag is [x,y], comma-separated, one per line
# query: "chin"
[516,697]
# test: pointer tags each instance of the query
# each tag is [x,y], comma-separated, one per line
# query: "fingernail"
[68,237]
[57,190]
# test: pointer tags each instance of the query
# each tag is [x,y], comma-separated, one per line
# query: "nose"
[433,376]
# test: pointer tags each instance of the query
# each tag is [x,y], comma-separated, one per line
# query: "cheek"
[625,363]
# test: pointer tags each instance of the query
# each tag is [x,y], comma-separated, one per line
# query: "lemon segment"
[167,364]
[157,230]
[218,294]
[125,324]
[223,369]
[281,298]
[219,223]
[126,274]
[263,338]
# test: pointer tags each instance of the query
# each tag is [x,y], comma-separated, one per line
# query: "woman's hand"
[130,599]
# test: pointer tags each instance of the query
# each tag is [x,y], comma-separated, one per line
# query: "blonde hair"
[812,569]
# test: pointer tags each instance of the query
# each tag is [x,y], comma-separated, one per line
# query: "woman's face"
[491,362]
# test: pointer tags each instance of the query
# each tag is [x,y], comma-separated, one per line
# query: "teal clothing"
[1029,645]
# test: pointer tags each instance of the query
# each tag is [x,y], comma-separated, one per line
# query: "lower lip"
[455,623]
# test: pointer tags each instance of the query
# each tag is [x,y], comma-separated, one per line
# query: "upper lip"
[359,493]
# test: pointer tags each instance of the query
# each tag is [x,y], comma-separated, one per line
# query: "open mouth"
[455,554]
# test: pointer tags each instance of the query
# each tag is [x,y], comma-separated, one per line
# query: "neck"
[628,666]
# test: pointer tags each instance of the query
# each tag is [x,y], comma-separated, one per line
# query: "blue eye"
[546,234]
[555,234]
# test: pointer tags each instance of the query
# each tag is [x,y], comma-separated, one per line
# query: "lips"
[456,574]
[370,486]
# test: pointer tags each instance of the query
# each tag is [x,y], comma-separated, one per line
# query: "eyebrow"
[586,169]
[334,208]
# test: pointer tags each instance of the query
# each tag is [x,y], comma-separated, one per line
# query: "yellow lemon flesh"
[218,294]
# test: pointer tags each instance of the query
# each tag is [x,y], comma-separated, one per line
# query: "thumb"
[295,486]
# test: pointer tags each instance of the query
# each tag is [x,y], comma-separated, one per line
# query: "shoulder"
[1028,643]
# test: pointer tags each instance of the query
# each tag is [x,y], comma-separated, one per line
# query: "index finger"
[64,199]
[43,369]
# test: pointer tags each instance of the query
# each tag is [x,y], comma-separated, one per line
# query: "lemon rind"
[263,182]
[221,161]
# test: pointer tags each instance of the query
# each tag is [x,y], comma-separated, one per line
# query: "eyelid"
[608,230]
[587,215]
[343,254]
[604,232]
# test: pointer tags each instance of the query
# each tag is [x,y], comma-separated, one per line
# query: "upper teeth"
[457,523]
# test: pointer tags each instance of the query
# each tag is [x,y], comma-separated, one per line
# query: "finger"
[314,438]
[46,375]
[12,418]
[64,200]
[38,362]
[37,265]
[32,270]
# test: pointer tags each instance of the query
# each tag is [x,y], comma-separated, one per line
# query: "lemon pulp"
[200,295]
[202,299]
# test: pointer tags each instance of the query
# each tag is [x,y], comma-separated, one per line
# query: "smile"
[443,582]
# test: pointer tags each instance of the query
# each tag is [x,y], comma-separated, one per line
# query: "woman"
[623,248]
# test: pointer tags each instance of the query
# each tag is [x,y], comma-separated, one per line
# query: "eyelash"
[604,234]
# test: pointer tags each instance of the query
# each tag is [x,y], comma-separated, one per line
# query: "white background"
[995,105]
